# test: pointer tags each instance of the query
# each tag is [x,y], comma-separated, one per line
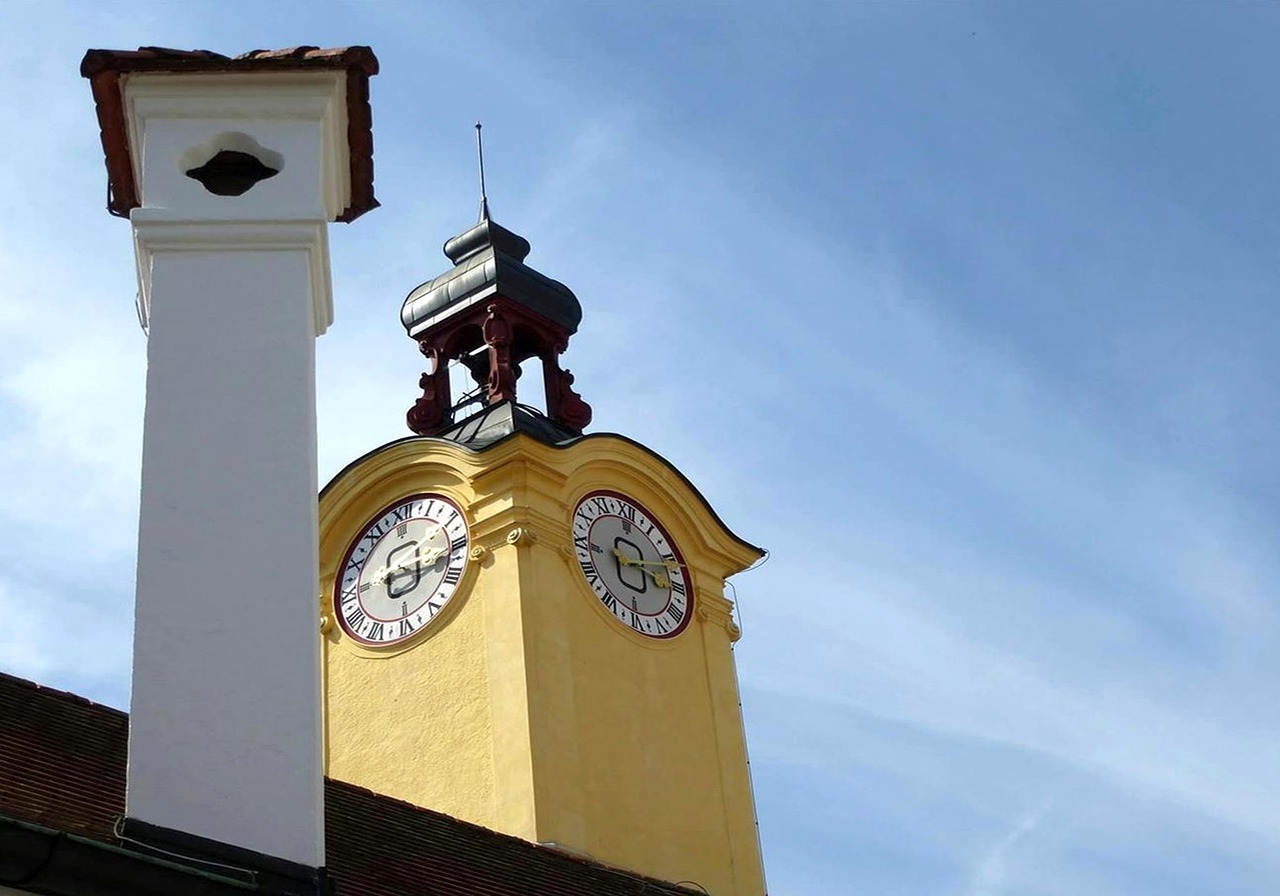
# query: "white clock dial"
[631,564]
[401,570]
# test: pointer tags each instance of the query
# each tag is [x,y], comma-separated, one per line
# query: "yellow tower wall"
[525,706]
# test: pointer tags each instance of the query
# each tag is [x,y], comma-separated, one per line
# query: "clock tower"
[524,626]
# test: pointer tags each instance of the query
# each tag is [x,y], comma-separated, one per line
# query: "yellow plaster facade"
[525,706]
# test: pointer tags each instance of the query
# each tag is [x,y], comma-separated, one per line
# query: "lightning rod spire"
[484,198]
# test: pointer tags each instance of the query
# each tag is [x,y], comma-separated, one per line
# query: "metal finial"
[484,197]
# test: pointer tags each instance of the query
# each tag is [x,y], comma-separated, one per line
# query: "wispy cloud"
[991,867]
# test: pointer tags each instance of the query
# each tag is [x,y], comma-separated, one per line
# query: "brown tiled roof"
[62,765]
[62,759]
[103,68]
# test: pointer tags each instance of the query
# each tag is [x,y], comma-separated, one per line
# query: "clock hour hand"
[426,559]
[380,577]
[433,555]
[627,561]
[665,564]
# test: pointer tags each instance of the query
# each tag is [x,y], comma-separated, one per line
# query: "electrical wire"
[737,604]
[54,842]
[142,318]
[759,563]
[250,876]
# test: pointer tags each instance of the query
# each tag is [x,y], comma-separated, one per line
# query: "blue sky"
[965,310]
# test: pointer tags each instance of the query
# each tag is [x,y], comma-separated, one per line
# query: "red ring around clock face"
[401,569]
[631,565]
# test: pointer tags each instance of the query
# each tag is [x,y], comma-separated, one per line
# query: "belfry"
[525,626]
[491,312]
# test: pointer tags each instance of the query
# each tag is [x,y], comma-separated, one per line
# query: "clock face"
[631,564]
[401,570]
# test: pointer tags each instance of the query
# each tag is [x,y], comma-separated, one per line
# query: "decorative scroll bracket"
[431,412]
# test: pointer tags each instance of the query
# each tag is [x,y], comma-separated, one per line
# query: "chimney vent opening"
[230,164]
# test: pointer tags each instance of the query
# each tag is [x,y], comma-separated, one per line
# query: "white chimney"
[233,269]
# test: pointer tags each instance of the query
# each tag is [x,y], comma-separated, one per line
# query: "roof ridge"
[66,696]
[558,852]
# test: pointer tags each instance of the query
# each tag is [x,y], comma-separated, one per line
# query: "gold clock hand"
[387,571]
[665,564]
[427,559]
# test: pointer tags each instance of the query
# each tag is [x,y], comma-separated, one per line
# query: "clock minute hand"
[659,577]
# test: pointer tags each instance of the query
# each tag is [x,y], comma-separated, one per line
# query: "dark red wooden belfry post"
[502,375]
[430,413]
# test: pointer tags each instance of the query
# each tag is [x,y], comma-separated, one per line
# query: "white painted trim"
[155,231]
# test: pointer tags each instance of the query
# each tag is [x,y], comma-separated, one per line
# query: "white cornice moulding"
[156,233]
